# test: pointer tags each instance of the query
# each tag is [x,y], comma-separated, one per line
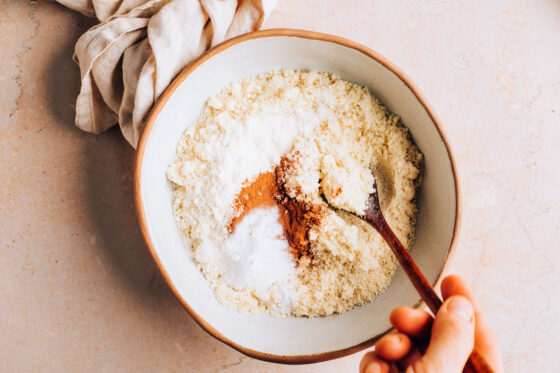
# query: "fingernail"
[461,307]
[373,367]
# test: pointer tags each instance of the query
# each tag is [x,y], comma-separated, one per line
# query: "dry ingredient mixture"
[249,177]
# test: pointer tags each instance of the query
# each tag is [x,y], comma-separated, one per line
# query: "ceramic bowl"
[291,339]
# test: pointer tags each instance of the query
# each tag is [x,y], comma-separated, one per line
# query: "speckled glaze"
[79,290]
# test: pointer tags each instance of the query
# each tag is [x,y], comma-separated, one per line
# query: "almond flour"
[248,178]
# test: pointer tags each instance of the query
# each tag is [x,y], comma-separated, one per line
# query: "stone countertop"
[79,291]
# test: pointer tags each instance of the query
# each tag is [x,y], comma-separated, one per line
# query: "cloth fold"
[129,58]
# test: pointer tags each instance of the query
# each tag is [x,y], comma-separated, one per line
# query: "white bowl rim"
[151,118]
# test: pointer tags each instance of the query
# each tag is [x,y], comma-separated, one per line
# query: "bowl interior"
[291,336]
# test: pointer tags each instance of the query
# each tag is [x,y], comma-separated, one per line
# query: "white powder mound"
[256,254]
[336,136]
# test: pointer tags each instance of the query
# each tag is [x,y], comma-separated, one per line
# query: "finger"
[452,338]
[485,340]
[413,322]
[412,357]
[371,363]
[393,346]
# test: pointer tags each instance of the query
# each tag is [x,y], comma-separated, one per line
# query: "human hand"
[440,345]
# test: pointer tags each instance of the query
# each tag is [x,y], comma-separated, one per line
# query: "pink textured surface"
[78,289]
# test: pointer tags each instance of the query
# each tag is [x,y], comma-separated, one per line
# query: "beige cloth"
[131,56]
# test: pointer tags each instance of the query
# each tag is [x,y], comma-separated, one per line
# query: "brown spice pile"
[296,217]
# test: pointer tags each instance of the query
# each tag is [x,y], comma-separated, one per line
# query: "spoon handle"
[476,362]
[414,273]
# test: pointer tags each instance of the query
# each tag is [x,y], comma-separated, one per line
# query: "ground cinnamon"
[296,217]
[261,192]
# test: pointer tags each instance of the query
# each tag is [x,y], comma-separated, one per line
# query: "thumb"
[452,338]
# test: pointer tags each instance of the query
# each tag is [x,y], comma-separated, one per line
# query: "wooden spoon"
[374,217]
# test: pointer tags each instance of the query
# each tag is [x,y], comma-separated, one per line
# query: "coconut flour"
[249,179]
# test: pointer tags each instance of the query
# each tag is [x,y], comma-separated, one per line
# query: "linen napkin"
[129,58]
